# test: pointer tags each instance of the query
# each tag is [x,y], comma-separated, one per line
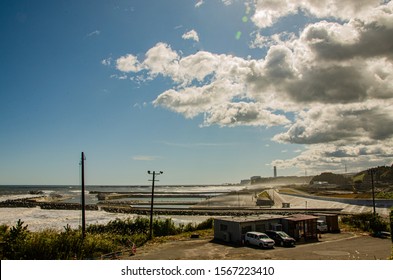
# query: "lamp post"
[154,173]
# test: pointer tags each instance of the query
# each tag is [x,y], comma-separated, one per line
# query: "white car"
[258,239]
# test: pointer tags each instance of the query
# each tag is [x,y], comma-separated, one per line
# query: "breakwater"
[221,211]
[120,195]
[31,203]
[127,209]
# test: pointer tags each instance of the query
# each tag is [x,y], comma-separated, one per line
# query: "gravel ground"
[343,246]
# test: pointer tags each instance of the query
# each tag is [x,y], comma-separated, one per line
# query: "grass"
[359,178]
[20,244]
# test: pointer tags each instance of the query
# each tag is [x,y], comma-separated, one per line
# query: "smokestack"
[275,172]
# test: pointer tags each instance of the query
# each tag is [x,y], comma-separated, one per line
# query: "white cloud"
[330,157]
[268,12]
[191,35]
[106,61]
[341,123]
[335,77]
[199,3]
[128,63]
[242,113]
[161,59]
[227,2]
[94,33]
[145,158]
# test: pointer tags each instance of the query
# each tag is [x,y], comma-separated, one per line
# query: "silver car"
[258,239]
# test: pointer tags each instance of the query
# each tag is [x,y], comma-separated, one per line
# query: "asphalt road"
[246,198]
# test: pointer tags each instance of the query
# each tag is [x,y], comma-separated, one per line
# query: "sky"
[207,91]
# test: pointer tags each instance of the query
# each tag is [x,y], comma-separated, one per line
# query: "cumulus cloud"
[128,63]
[330,123]
[242,113]
[268,12]
[191,35]
[330,157]
[334,77]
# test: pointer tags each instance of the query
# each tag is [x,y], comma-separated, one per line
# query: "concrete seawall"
[202,211]
[381,203]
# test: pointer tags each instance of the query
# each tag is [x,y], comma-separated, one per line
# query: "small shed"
[331,221]
[233,229]
[301,226]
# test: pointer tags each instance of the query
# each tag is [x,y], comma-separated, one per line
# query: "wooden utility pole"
[152,200]
[83,195]
[371,172]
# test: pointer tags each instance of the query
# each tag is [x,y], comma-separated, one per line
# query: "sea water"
[39,219]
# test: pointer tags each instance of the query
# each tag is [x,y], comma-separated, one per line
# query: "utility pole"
[154,173]
[371,172]
[83,158]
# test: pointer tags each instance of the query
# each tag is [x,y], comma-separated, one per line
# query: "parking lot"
[343,246]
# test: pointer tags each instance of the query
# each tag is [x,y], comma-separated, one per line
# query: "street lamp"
[154,173]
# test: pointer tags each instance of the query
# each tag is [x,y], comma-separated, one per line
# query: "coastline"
[241,202]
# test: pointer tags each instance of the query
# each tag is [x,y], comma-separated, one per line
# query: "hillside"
[331,178]
[382,174]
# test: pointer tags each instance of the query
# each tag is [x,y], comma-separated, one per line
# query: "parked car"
[258,239]
[321,226]
[281,238]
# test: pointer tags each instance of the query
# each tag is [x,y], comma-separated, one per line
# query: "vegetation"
[382,174]
[359,178]
[391,225]
[331,178]
[264,194]
[20,243]
[366,222]
[384,195]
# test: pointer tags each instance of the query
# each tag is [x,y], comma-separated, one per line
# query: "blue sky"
[206,91]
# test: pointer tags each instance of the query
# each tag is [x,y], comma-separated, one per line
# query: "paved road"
[305,202]
[246,198]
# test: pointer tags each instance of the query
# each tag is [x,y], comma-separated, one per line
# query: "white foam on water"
[38,219]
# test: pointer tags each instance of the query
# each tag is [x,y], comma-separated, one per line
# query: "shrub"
[15,239]
[391,225]
[20,243]
[366,222]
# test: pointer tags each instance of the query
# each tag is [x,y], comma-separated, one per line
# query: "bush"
[15,239]
[391,225]
[20,243]
[366,222]
[164,227]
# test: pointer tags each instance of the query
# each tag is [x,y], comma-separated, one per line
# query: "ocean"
[166,196]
